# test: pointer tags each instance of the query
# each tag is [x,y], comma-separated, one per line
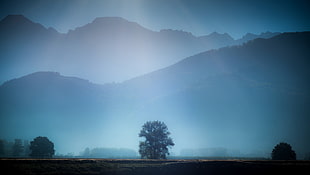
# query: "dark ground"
[150,167]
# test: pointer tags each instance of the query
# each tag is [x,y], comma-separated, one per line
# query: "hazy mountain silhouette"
[47,103]
[23,27]
[261,59]
[106,50]
[232,97]
[238,94]
[251,36]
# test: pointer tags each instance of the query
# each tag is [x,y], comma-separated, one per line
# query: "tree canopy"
[42,147]
[283,151]
[156,142]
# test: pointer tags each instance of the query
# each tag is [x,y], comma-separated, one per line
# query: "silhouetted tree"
[307,156]
[283,151]
[17,148]
[42,147]
[156,142]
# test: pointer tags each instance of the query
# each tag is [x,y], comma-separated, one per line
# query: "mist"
[90,88]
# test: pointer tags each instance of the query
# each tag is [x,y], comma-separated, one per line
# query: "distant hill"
[248,96]
[68,110]
[109,49]
[239,97]
[46,88]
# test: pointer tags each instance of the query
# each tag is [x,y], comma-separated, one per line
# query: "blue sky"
[201,17]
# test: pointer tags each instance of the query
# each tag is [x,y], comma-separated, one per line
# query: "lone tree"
[41,147]
[283,151]
[156,142]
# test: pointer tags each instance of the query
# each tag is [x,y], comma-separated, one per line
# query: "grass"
[150,167]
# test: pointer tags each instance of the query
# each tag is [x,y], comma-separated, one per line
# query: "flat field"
[150,167]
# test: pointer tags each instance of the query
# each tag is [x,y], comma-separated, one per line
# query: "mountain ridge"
[101,47]
[20,19]
[231,97]
[19,23]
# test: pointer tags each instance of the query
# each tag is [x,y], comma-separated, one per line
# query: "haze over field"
[86,79]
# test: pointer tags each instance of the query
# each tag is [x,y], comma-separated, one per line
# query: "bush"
[283,151]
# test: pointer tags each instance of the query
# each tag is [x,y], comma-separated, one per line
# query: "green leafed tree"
[41,147]
[283,151]
[157,140]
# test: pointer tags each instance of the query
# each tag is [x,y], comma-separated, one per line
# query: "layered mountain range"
[245,97]
[109,49]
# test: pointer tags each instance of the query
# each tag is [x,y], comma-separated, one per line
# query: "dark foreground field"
[150,167]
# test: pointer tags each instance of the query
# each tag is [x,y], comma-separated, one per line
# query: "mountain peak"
[176,32]
[109,19]
[45,78]
[16,19]
[251,36]
[44,73]
[110,24]
[216,34]
[113,21]
[51,75]
[35,75]
[22,25]
[17,16]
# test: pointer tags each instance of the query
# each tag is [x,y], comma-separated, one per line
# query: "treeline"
[108,153]
[19,148]
[211,152]
[16,148]
[39,147]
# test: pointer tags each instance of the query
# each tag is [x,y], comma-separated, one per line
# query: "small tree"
[156,142]
[42,147]
[283,151]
